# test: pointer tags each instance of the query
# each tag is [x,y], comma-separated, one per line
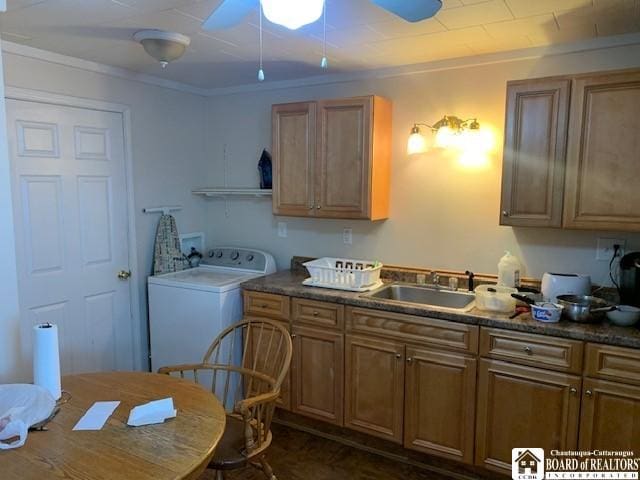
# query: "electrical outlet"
[605,248]
[347,236]
[282,229]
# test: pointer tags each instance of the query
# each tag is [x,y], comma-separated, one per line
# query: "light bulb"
[292,14]
[476,139]
[445,137]
[416,143]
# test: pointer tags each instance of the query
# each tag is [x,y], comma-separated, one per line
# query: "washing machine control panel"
[240,258]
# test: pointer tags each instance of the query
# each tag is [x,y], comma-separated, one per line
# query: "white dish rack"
[344,274]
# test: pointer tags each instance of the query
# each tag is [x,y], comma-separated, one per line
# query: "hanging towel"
[167,256]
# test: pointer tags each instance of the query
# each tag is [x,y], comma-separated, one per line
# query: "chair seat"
[229,452]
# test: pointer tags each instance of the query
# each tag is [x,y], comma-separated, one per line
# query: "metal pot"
[584,308]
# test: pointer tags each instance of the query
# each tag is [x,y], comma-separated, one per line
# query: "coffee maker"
[630,279]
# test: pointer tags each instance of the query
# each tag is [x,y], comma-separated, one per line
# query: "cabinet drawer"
[409,328]
[531,349]
[322,314]
[613,363]
[266,305]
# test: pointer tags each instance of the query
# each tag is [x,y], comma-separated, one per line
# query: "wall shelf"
[228,192]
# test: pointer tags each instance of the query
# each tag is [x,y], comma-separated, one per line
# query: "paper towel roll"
[46,358]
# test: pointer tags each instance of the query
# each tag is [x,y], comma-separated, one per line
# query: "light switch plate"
[347,236]
[605,248]
[282,229]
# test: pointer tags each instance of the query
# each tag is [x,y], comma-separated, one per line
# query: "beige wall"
[442,215]
[168,151]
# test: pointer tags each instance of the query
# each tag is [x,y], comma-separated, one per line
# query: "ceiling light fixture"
[449,131]
[292,14]
[164,46]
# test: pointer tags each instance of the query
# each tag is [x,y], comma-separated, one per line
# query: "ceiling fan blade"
[411,11]
[229,13]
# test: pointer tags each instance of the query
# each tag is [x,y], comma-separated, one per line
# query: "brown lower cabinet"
[424,398]
[440,395]
[610,418]
[520,406]
[317,373]
[426,383]
[374,386]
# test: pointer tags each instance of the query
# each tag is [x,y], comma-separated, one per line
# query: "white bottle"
[509,271]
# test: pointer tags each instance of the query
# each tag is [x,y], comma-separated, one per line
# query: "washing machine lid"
[208,278]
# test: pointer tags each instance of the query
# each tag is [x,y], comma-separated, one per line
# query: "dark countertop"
[290,283]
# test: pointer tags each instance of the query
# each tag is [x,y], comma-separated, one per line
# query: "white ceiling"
[360,35]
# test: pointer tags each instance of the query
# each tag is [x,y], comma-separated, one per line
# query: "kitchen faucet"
[470,274]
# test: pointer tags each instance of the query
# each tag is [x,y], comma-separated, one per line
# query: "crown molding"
[89,66]
[531,53]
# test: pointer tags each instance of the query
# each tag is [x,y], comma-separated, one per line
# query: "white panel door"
[70,211]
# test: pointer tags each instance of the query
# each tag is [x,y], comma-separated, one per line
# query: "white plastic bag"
[21,406]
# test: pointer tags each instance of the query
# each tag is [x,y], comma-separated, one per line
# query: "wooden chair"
[244,367]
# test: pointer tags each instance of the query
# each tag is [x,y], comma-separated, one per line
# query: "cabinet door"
[523,407]
[258,354]
[534,153]
[610,417]
[294,151]
[440,397]
[343,166]
[318,373]
[603,156]
[374,387]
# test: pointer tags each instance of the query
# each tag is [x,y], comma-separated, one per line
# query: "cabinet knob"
[318,207]
[409,359]
[588,393]
[528,349]
[398,355]
[573,390]
[293,335]
[505,213]
[315,313]
[310,207]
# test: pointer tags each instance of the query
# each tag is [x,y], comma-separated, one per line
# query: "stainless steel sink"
[415,294]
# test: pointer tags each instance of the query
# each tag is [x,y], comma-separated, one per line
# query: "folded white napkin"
[156,411]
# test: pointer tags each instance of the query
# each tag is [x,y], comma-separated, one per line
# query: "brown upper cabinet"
[603,153]
[534,153]
[332,158]
[571,155]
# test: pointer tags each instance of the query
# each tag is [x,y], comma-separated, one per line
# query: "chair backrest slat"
[267,355]
[227,380]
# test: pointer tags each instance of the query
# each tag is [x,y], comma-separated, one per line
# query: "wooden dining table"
[179,448]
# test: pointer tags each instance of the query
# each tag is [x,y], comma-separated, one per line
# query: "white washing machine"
[188,309]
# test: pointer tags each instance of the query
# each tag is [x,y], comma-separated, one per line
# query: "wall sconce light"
[450,131]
